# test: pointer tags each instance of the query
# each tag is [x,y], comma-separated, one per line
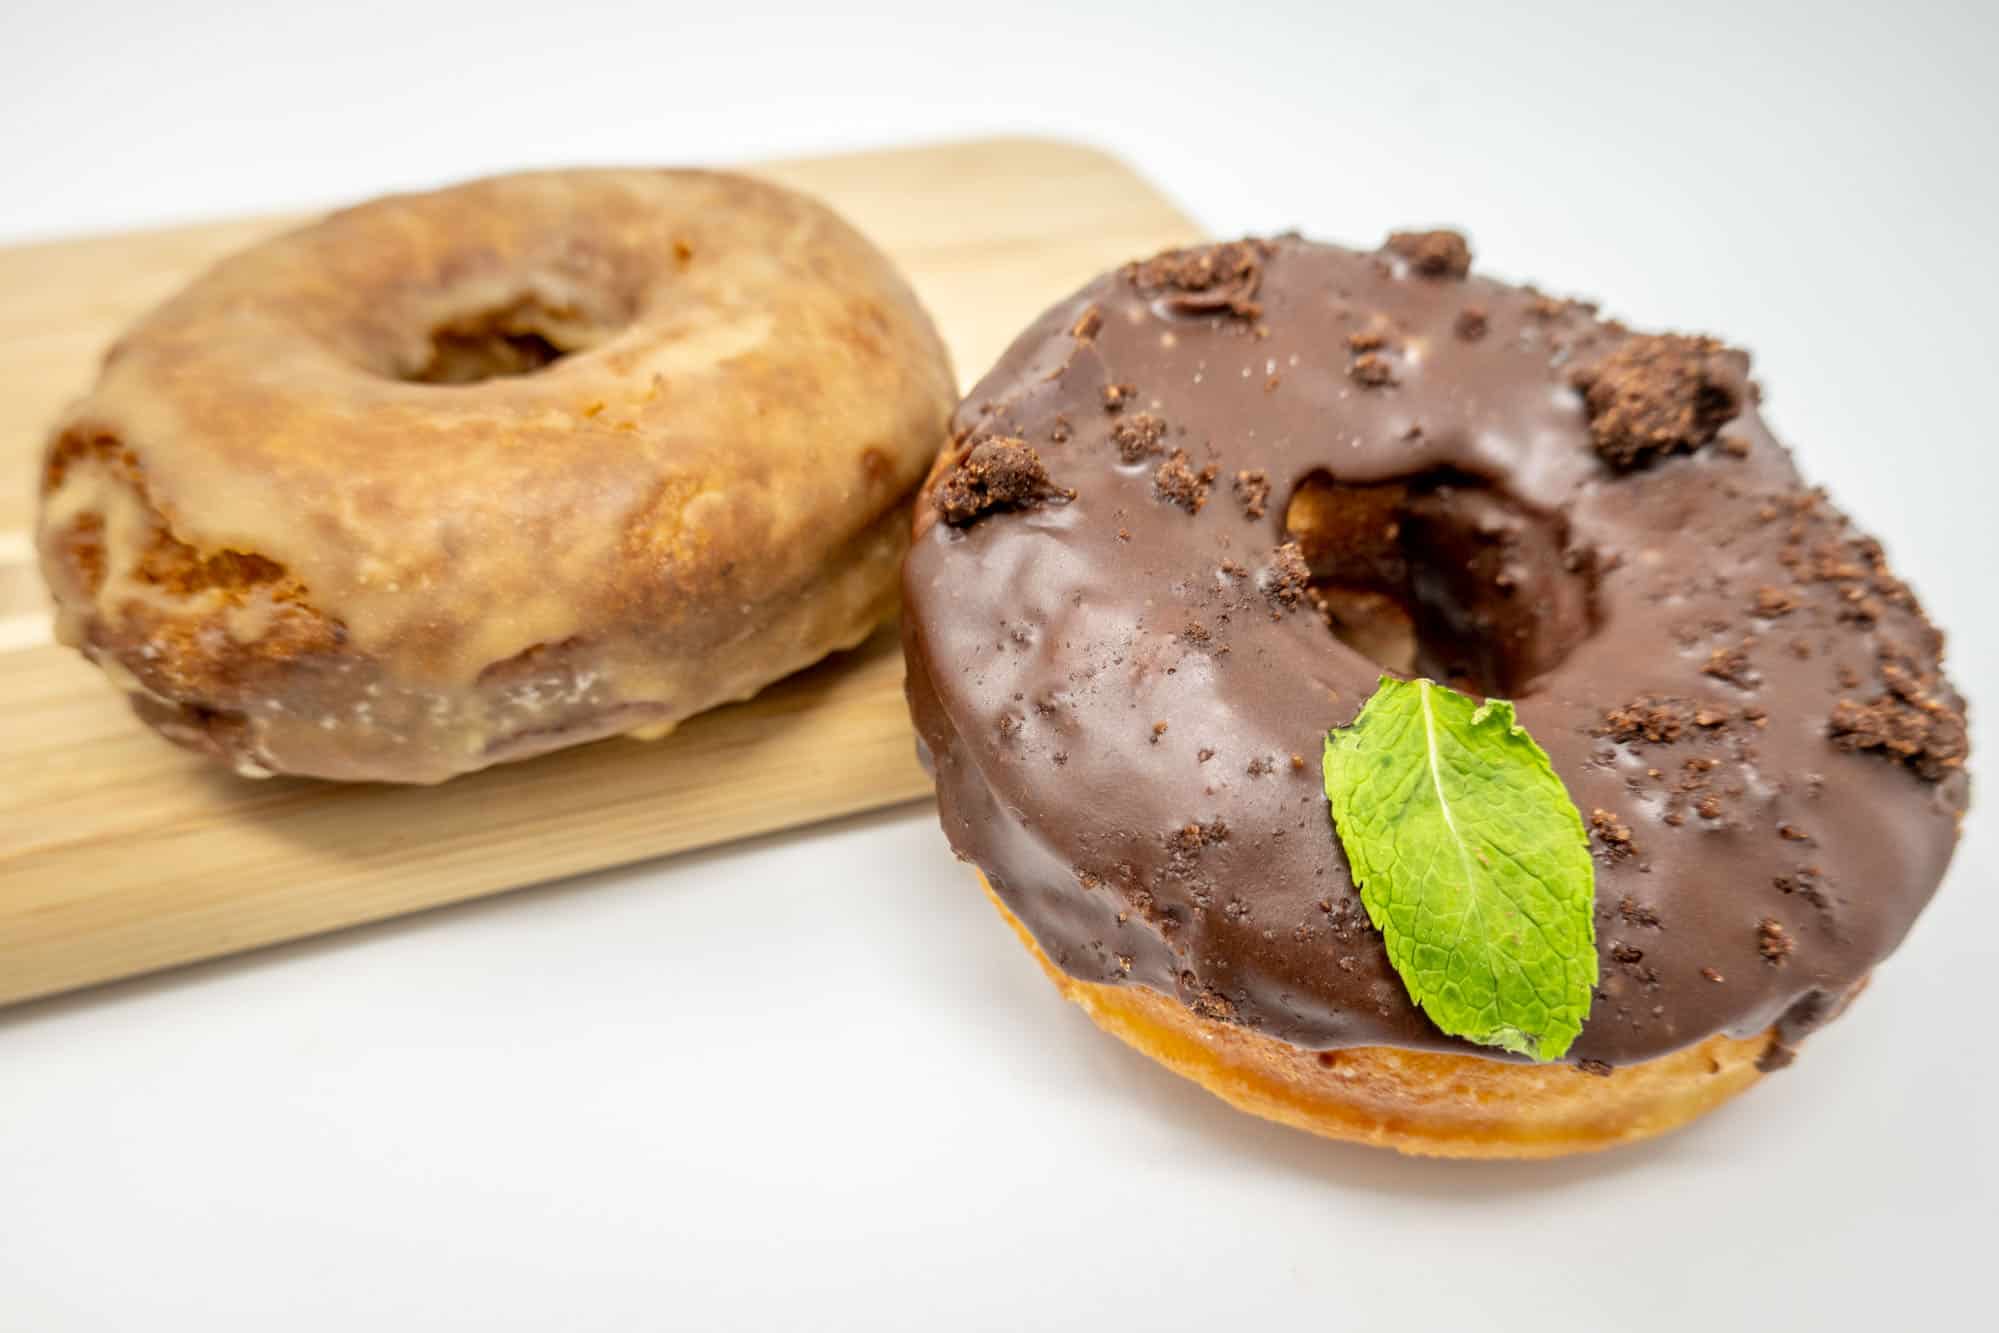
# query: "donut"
[456,478]
[1199,508]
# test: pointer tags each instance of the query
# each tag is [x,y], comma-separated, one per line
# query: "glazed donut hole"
[521,336]
[1440,574]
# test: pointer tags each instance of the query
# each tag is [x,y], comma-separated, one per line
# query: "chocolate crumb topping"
[1471,323]
[1116,396]
[1178,483]
[1252,488]
[1772,602]
[1434,254]
[1372,370]
[1661,721]
[1635,913]
[1660,394]
[1772,941]
[1731,665]
[1287,577]
[1910,720]
[1138,436]
[1613,833]
[999,473]
[1207,1001]
[1204,280]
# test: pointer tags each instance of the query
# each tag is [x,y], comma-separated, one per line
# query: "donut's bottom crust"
[1426,1103]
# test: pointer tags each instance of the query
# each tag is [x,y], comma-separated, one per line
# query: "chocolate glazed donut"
[1198,506]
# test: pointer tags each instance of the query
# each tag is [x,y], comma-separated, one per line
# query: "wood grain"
[120,854]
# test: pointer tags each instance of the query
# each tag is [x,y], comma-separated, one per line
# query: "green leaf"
[1472,862]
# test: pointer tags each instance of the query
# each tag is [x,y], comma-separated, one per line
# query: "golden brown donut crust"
[1425,1103]
[452,478]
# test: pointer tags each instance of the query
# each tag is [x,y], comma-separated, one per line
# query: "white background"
[810,1081]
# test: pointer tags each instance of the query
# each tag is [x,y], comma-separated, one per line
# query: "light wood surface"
[121,854]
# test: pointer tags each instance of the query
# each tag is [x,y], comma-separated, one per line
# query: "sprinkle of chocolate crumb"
[1734,446]
[1613,833]
[1372,370]
[1636,913]
[1733,666]
[1712,975]
[1060,432]
[1932,743]
[1158,730]
[1178,483]
[1471,323]
[1772,941]
[1260,766]
[1252,488]
[1594,1067]
[1138,436]
[1204,754]
[1367,340]
[1648,718]
[1209,1002]
[1433,254]
[1285,580]
[998,473]
[1660,394]
[1087,324]
[1297,763]
[1911,719]
[1772,602]
[1204,280]
[1191,837]
[1116,396]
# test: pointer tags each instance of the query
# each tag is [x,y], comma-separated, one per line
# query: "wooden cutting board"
[121,854]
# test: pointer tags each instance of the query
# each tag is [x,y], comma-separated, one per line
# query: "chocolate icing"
[1123,694]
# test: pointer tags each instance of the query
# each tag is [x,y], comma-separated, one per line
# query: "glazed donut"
[1199,506]
[456,478]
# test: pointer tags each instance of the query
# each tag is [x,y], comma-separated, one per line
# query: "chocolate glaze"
[1123,696]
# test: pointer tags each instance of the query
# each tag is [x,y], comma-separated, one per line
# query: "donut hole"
[1442,575]
[521,337]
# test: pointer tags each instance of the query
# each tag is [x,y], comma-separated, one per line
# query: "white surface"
[811,1081]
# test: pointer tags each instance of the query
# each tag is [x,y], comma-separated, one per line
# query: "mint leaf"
[1472,862]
